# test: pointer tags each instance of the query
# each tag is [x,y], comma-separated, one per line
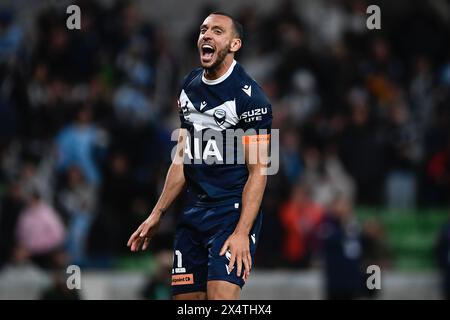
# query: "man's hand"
[239,246]
[145,232]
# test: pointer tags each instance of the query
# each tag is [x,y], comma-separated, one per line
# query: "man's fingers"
[224,248]
[139,244]
[246,265]
[130,240]
[144,230]
[134,235]
[232,260]
[239,265]
[145,245]
[248,268]
[136,244]
[133,238]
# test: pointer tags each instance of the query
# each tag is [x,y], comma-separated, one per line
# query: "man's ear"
[235,45]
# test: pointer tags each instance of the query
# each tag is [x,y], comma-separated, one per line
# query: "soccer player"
[216,239]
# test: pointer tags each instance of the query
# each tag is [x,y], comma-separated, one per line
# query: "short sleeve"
[256,111]
[181,113]
[183,110]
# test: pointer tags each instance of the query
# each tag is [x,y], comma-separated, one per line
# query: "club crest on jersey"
[220,116]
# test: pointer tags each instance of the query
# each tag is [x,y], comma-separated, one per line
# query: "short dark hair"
[237,26]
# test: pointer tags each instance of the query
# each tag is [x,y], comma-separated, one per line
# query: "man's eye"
[202,31]
[218,31]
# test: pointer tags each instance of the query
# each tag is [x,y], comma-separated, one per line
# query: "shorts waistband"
[215,203]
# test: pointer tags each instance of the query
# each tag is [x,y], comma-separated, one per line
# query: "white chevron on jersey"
[218,118]
[247,89]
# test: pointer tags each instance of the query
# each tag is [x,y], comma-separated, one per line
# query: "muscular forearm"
[251,201]
[172,187]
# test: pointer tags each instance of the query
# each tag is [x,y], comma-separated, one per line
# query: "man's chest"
[209,110]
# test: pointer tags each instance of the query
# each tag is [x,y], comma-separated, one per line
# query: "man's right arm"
[173,186]
[175,181]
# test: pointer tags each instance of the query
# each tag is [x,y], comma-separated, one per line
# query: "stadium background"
[86,118]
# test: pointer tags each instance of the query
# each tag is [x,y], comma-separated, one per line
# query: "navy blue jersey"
[216,107]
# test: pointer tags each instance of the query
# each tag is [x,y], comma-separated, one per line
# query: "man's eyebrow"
[213,27]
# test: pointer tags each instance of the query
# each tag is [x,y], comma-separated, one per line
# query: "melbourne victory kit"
[215,178]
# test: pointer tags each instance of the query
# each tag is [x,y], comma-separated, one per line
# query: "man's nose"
[207,35]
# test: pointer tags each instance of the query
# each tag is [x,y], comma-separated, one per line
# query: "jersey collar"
[221,78]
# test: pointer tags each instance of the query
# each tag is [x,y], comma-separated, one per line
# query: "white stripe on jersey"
[206,120]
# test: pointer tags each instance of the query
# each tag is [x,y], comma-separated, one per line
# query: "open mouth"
[207,51]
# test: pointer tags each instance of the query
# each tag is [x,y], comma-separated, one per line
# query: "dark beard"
[220,58]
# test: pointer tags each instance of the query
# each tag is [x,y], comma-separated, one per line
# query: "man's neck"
[220,70]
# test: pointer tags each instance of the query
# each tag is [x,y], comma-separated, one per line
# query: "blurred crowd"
[86,118]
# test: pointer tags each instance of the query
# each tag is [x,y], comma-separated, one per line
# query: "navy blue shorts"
[199,238]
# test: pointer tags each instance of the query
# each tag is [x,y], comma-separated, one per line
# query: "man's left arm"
[238,243]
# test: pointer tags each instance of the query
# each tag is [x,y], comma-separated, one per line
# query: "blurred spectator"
[269,254]
[11,36]
[290,155]
[438,172]
[295,55]
[443,259]
[9,121]
[132,107]
[402,158]
[10,208]
[303,101]
[315,178]
[341,244]
[40,234]
[58,289]
[362,150]
[38,95]
[325,175]
[421,92]
[79,144]
[376,250]
[338,178]
[374,242]
[77,199]
[36,177]
[113,222]
[157,286]
[132,62]
[328,19]
[300,216]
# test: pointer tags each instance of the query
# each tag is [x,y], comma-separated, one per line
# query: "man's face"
[215,40]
